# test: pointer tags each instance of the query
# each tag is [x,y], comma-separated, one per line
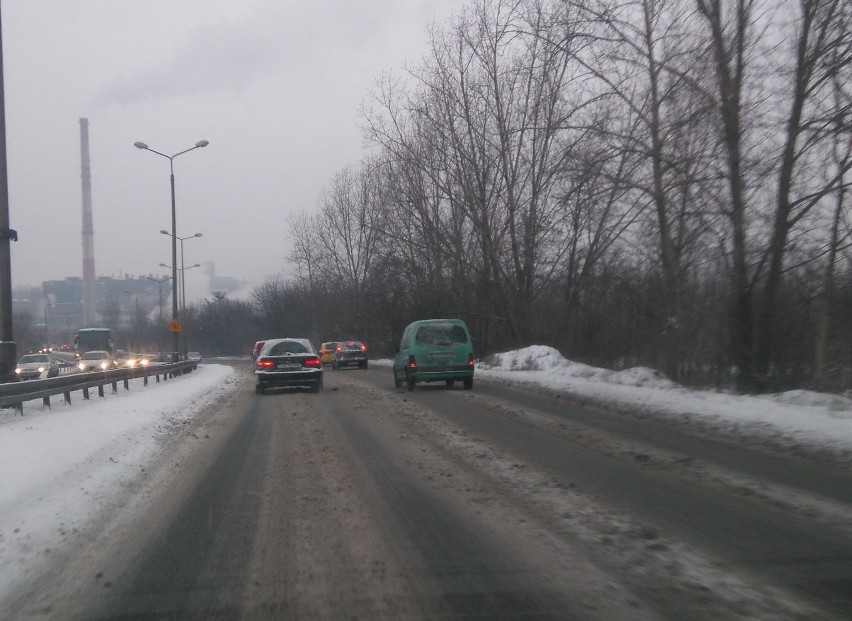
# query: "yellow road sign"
[175,327]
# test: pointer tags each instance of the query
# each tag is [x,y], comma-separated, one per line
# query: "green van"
[433,350]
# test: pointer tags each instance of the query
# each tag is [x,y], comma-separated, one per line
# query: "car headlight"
[81,366]
[104,366]
[41,369]
[18,370]
[144,362]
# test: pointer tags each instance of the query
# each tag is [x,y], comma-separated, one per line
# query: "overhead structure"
[90,286]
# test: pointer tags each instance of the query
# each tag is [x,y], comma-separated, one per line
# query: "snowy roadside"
[62,465]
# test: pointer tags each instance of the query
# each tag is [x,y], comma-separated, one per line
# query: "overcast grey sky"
[274,85]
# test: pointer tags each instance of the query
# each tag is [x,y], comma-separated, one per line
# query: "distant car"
[256,349]
[288,362]
[95,360]
[193,355]
[36,366]
[131,361]
[327,351]
[349,354]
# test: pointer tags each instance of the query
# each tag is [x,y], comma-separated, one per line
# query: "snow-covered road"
[62,466]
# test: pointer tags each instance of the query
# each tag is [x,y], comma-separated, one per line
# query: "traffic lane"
[194,566]
[467,554]
[800,468]
[786,549]
[797,468]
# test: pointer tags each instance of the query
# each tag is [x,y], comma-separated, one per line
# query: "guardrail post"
[46,401]
[67,396]
[100,390]
[85,393]
[114,387]
[126,384]
[19,408]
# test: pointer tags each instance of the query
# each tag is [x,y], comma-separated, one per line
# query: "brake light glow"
[412,363]
[265,363]
[312,362]
[470,361]
[363,347]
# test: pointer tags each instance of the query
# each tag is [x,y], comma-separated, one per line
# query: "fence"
[14,394]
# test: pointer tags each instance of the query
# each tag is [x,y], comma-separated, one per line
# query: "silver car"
[36,366]
[95,360]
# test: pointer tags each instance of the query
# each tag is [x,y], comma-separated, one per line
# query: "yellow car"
[326,351]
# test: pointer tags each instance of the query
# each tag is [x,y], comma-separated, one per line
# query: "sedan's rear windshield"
[287,347]
[440,334]
[350,346]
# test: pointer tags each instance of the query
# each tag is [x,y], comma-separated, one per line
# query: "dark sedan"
[288,362]
[349,354]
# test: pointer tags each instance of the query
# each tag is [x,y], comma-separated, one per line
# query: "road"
[369,502]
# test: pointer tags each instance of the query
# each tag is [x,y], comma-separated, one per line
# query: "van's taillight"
[264,363]
[470,361]
[312,362]
[412,363]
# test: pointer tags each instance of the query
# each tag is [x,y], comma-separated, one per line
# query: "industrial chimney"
[90,290]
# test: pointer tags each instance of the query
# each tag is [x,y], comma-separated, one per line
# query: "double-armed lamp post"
[182,275]
[174,326]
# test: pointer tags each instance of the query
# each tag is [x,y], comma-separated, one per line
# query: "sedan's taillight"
[363,347]
[313,362]
[265,363]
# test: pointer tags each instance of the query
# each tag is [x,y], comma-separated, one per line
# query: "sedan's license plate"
[288,366]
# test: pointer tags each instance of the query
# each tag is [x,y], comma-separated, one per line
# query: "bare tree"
[817,57]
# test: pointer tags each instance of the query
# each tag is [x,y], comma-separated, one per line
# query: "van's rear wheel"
[410,381]
[468,383]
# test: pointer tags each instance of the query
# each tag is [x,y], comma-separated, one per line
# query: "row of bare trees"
[659,182]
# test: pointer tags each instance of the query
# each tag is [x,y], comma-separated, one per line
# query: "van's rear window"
[440,334]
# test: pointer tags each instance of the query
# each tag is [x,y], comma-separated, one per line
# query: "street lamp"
[182,277]
[183,283]
[174,326]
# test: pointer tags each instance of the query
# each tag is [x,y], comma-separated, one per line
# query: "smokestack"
[90,291]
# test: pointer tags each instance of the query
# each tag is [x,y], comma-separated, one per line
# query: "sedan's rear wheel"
[258,389]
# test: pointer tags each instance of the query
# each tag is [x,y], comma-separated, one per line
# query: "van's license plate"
[443,356]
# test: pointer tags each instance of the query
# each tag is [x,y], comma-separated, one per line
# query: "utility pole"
[8,348]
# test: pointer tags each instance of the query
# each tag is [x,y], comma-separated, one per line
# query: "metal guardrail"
[14,394]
